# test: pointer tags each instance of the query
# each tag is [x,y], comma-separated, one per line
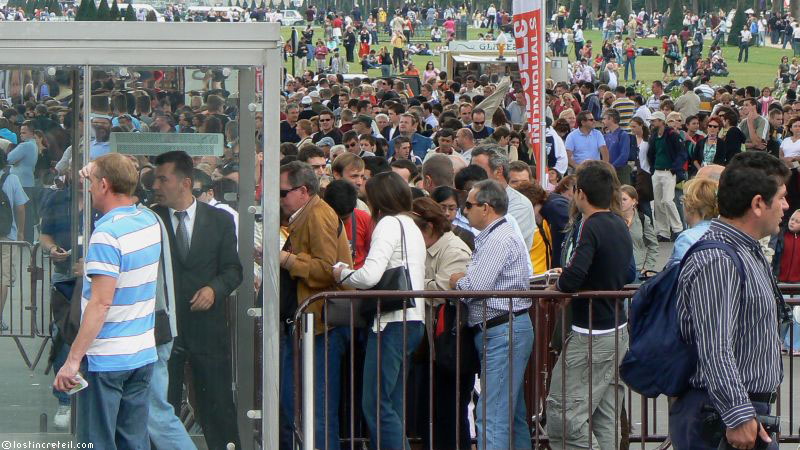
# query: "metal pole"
[542,163]
[294,47]
[308,381]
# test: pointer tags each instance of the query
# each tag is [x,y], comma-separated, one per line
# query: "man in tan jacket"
[316,242]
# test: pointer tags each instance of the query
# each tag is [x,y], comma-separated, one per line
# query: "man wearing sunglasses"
[314,245]
[327,128]
[585,142]
[478,126]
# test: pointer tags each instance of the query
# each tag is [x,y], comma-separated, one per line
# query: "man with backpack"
[602,260]
[727,299]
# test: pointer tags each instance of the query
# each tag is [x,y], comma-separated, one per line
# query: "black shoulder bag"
[394,279]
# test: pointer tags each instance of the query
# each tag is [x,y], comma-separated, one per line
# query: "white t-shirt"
[790,149]
[643,162]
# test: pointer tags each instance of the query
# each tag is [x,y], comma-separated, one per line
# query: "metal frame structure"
[248,46]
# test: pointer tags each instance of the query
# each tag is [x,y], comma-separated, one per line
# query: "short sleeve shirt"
[585,146]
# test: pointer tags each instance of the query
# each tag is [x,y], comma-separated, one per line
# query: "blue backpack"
[659,361]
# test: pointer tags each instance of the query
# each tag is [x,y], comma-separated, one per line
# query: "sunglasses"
[285,192]
[325,120]
[712,126]
[469,205]
[198,192]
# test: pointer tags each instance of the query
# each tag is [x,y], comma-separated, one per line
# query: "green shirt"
[663,160]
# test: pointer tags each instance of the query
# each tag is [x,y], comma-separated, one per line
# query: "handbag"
[394,279]
[336,311]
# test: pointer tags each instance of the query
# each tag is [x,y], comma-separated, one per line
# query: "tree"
[91,10]
[30,8]
[624,9]
[574,12]
[245,5]
[238,3]
[81,13]
[115,14]
[130,14]
[675,20]
[734,36]
[103,11]
[56,8]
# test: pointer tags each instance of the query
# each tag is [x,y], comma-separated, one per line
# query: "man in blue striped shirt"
[115,346]
[733,322]
[500,262]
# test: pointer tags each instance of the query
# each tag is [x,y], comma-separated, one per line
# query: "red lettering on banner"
[529,54]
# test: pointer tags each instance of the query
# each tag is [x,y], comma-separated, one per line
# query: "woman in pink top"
[450,26]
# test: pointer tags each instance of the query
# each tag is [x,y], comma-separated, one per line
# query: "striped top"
[500,262]
[626,109]
[735,329]
[125,245]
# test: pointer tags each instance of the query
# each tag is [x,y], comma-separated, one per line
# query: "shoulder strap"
[6,173]
[353,228]
[403,252]
[706,244]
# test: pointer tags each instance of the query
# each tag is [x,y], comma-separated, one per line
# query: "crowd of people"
[439,184]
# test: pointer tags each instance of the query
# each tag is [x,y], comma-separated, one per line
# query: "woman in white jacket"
[390,202]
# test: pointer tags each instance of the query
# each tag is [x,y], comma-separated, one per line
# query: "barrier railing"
[636,419]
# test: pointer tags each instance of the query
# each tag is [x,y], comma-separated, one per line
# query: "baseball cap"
[326,141]
[658,115]
[306,100]
[313,94]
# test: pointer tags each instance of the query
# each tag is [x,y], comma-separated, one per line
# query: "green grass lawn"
[761,69]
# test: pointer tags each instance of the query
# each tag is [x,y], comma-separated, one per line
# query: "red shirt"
[790,258]
[337,23]
[364,226]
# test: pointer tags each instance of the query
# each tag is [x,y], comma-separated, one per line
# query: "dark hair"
[412,168]
[310,151]
[388,195]
[442,193]
[471,173]
[376,165]
[534,192]
[342,196]
[349,136]
[182,163]
[288,149]
[749,174]
[428,212]
[565,184]
[598,182]
[205,181]
[612,114]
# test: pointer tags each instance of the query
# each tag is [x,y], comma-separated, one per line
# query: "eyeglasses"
[198,192]
[285,192]
[325,120]
[449,208]
[712,126]
[469,205]
[352,144]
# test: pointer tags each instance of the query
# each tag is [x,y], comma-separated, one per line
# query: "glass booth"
[139,89]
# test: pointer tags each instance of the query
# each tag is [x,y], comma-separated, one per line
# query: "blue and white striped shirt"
[500,262]
[735,329]
[125,245]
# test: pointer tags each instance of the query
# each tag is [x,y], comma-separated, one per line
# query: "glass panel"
[40,240]
[141,112]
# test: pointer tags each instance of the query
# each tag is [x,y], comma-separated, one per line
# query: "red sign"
[529,40]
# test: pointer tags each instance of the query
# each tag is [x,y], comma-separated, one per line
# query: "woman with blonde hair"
[700,206]
[570,117]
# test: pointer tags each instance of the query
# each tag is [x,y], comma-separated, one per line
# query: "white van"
[291,17]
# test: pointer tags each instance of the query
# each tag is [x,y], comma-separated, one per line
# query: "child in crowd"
[786,266]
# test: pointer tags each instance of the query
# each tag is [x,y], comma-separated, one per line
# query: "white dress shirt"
[191,213]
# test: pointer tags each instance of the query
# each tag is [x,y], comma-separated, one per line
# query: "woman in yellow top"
[541,251]
[398,51]
[382,17]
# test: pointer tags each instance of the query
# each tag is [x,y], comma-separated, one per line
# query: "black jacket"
[213,261]
[676,149]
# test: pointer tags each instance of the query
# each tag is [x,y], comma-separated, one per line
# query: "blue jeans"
[63,352]
[686,421]
[495,372]
[632,63]
[391,382]
[166,430]
[113,409]
[337,345]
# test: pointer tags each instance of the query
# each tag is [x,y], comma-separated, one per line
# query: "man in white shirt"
[744,43]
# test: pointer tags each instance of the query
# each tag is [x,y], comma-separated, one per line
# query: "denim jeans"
[495,371]
[632,63]
[744,49]
[392,374]
[337,345]
[113,409]
[63,352]
[166,430]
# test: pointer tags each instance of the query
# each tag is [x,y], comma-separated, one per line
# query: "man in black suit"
[207,269]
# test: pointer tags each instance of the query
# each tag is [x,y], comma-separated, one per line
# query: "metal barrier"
[636,418]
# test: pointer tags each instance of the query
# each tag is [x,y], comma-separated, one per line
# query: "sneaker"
[61,419]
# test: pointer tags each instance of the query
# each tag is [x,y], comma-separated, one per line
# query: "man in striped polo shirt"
[625,107]
[115,347]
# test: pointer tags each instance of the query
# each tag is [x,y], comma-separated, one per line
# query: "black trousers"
[212,380]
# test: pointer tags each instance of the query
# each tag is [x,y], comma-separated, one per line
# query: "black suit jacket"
[213,261]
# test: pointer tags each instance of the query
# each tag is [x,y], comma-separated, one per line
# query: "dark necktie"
[182,235]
